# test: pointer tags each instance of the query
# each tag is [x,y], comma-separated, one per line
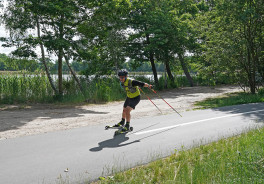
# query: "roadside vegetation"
[27,87]
[239,159]
[35,88]
[231,99]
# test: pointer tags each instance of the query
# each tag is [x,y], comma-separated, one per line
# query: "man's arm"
[140,84]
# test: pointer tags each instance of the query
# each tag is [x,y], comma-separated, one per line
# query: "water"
[69,76]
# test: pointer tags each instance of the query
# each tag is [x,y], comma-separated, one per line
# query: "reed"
[35,88]
[24,88]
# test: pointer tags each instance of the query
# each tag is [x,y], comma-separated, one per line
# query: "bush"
[261,91]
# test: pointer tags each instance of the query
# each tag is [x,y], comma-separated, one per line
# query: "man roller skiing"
[132,99]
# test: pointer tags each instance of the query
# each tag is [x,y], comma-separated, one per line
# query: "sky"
[3,50]
[4,33]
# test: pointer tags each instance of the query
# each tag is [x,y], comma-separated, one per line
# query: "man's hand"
[148,85]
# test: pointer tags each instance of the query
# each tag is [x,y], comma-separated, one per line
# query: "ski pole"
[164,100]
[150,99]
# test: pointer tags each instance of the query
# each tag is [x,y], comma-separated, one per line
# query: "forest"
[220,41]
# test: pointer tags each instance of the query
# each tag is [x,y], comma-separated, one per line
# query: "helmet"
[122,72]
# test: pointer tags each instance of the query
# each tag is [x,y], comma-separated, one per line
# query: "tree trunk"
[251,74]
[151,58]
[185,69]
[60,71]
[167,65]
[60,56]
[44,61]
[74,75]
[250,57]
[165,77]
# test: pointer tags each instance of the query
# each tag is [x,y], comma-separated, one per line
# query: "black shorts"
[132,102]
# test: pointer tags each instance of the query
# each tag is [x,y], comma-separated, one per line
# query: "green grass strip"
[230,99]
[239,159]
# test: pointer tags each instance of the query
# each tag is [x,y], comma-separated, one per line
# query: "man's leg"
[129,105]
[126,113]
[122,122]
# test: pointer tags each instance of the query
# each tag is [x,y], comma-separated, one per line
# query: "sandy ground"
[17,121]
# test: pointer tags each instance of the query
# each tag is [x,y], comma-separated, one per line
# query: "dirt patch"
[17,121]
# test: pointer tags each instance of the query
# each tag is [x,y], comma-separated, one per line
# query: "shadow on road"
[254,111]
[113,143]
[116,141]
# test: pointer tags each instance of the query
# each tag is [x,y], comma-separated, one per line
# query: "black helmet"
[122,72]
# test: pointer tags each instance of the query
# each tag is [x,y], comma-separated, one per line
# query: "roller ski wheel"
[118,132]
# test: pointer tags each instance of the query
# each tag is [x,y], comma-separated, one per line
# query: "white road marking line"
[193,122]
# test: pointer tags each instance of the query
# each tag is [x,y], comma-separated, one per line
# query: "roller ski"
[116,126]
[124,130]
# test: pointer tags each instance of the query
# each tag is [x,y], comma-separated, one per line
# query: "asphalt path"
[84,154]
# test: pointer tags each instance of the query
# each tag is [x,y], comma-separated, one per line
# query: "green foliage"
[134,66]
[105,89]
[143,78]
[261,91]
[3,59]
[104,37]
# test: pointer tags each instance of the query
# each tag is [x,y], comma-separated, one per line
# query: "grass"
[230,99]
[239,159]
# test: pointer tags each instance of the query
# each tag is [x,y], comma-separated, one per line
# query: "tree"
[3,59]
[56,23]
[139,44]
[162,31]
[236,41]
[186,39]
[103,36]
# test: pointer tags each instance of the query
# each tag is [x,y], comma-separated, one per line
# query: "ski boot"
[116,126]
[124,130]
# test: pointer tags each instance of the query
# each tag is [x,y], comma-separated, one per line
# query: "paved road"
[90,152]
